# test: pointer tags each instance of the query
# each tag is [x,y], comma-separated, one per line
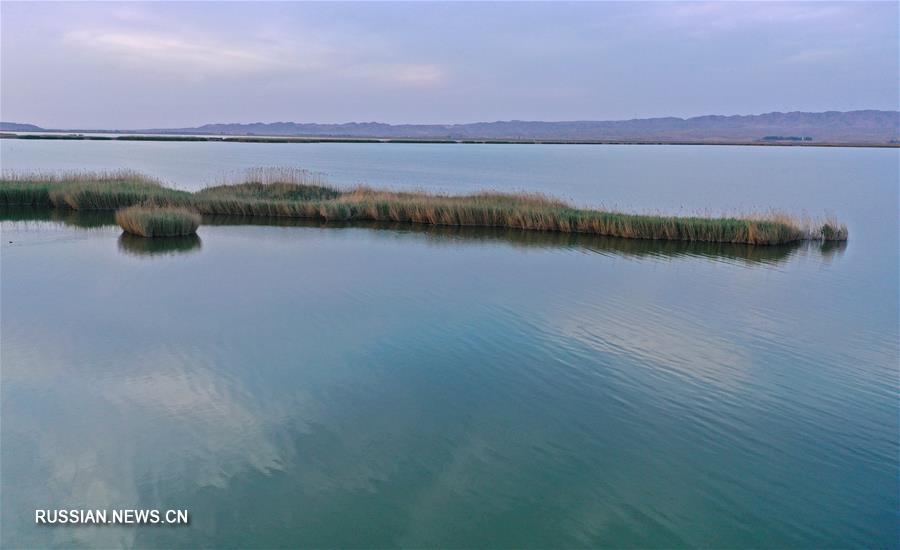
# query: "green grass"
[87,191]
[158,221]
[278,184]
[832,230]
[291,193]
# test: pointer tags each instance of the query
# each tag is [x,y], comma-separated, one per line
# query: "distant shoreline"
[64,136]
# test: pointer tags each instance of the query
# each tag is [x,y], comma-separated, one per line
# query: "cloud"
[250,61]
[189,57]
[198,58]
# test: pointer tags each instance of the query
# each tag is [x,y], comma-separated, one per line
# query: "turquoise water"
[383,385]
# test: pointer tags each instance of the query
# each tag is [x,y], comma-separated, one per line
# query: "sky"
[179,64]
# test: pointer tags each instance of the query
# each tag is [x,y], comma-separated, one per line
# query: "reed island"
[147,208]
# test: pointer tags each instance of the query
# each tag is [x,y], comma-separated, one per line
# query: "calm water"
[310,385]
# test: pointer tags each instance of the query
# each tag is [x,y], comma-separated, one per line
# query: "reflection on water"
[322,385]
[444,387]
[85,219]
[832,249]
[439,235]
[166,246]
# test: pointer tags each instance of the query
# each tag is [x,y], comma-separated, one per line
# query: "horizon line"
[462,123]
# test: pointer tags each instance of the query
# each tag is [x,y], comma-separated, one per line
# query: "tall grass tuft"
[833,230]
[87,190]
[146,221]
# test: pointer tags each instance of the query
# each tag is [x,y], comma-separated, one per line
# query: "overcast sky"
[143,65]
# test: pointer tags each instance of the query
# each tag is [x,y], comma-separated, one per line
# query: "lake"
[379,385]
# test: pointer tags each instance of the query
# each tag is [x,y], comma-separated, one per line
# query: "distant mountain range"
[16,127]
[852,127]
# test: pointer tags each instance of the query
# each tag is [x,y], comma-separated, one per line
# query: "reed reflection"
[455,235]
[162,246]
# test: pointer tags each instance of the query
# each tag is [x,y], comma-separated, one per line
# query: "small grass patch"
[158,222]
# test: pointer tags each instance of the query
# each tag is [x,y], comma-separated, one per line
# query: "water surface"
[387,385]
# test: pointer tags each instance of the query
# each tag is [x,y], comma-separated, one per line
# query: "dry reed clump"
[294,193]
[156,221]
[476,211]
[811,229]
[266,175]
